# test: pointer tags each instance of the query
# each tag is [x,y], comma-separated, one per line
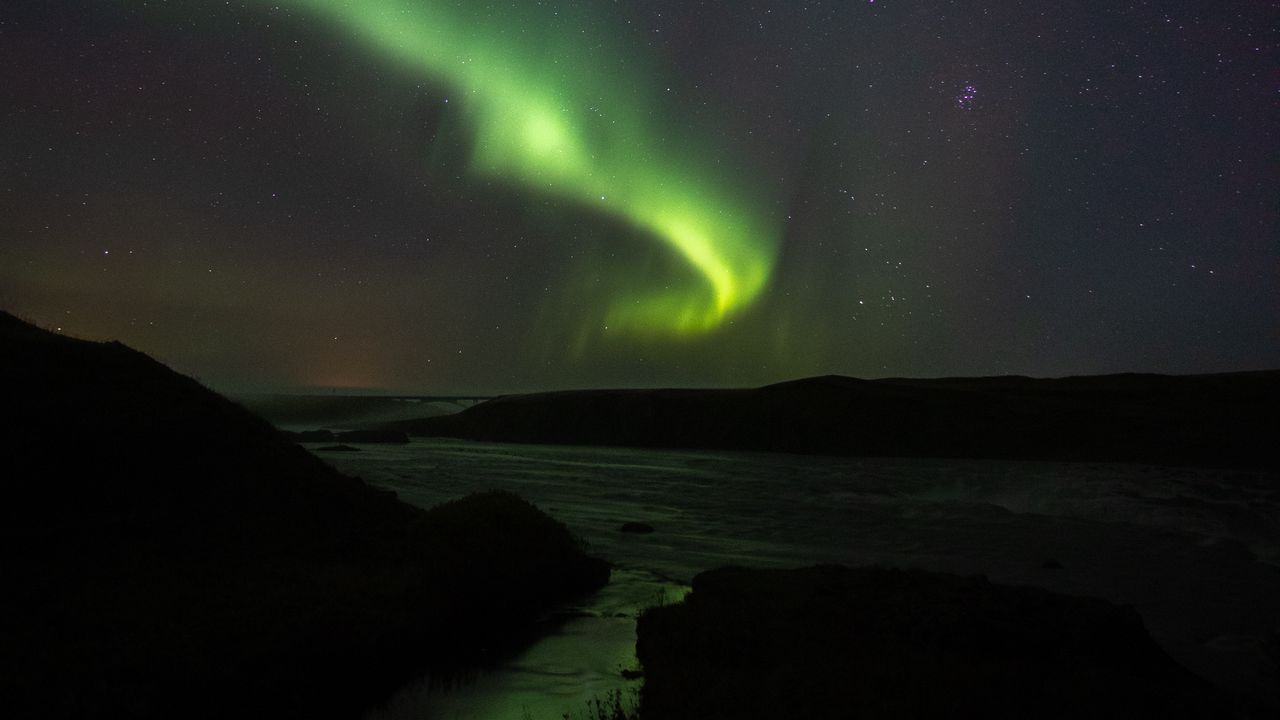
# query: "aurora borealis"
[454,196]
[548,107]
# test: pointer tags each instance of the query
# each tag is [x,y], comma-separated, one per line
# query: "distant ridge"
[1221,420]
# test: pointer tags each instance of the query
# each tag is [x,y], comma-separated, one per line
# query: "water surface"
[1193,550]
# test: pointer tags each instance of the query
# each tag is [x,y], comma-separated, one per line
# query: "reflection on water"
[581,661]
[1182,546]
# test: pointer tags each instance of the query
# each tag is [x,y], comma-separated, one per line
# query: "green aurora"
[556,108]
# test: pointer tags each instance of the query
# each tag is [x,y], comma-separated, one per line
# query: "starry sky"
[449,196]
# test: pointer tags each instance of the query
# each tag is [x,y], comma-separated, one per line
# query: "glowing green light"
[550,106]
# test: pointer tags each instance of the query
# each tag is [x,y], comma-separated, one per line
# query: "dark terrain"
[831,642]
[168,554]
[1225,420]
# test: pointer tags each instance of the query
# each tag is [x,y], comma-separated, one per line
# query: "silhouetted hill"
[168,554]
[1225,420]
[832,642]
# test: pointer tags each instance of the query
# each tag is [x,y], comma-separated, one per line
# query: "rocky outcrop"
[834,642]
[636,528]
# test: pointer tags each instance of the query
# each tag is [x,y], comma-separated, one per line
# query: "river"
[1195,551]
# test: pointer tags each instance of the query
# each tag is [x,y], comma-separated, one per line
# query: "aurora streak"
[555,106]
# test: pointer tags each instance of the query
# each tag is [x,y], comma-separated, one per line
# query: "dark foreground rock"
[1211,420]
[833,642]
[165,554]
[636,528]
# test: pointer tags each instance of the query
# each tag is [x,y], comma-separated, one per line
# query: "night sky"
[455,196]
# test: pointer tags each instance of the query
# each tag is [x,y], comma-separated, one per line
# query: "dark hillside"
[168,554]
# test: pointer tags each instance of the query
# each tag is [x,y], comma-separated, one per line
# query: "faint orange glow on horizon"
[344,376]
